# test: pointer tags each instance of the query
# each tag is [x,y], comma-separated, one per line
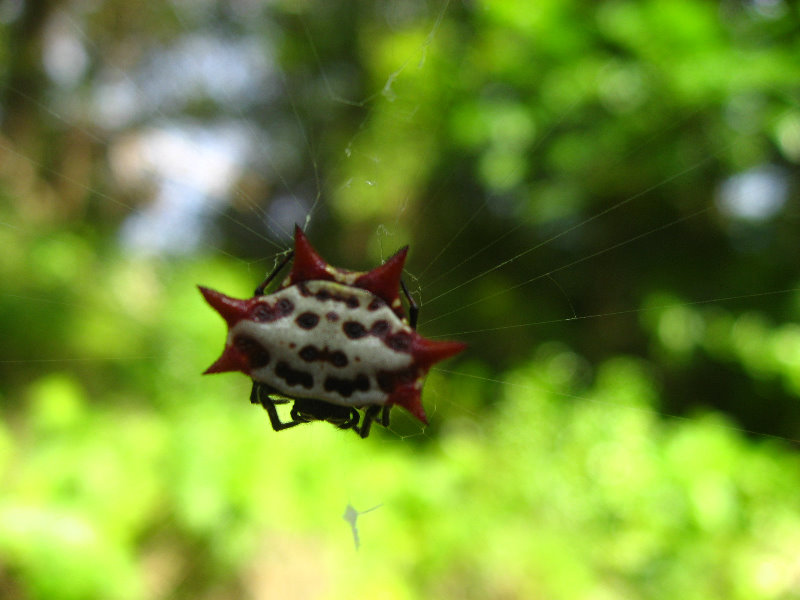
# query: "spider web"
[200,171]
[188,191]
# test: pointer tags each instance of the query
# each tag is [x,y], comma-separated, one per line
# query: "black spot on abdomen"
[307,320]
[264,312]
[380,328]
[323,295]
[285,307]
[354,330]
[338,359]
[399,342]
[257,355]
[346,387]
[294,377]
[311,353]
[388,381]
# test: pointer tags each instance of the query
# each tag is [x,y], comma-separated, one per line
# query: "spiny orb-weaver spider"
[330,340]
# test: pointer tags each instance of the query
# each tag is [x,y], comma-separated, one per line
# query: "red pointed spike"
[231,360]
[408,397]
[428,352]
[231,309]
[384,281]
[307,263]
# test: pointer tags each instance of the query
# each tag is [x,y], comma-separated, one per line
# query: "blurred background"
[601,198]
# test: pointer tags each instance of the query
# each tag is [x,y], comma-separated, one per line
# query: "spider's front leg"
[413,307]
[260,394]
[260,289]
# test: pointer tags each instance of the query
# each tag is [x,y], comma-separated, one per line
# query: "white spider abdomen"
[327,341]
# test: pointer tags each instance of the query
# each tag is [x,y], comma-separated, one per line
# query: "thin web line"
[568,265]
[620,312]
[581,224]
[545,136]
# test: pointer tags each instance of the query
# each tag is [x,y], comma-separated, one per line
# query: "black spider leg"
[306,410]
[260,289]
[366,424]
[260,395]
[371,415]
[413,307]
[350,423]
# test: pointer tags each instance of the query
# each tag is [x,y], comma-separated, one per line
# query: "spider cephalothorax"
[330,340]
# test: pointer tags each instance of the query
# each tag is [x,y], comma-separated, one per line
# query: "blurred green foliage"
[598,135]
[156,483]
